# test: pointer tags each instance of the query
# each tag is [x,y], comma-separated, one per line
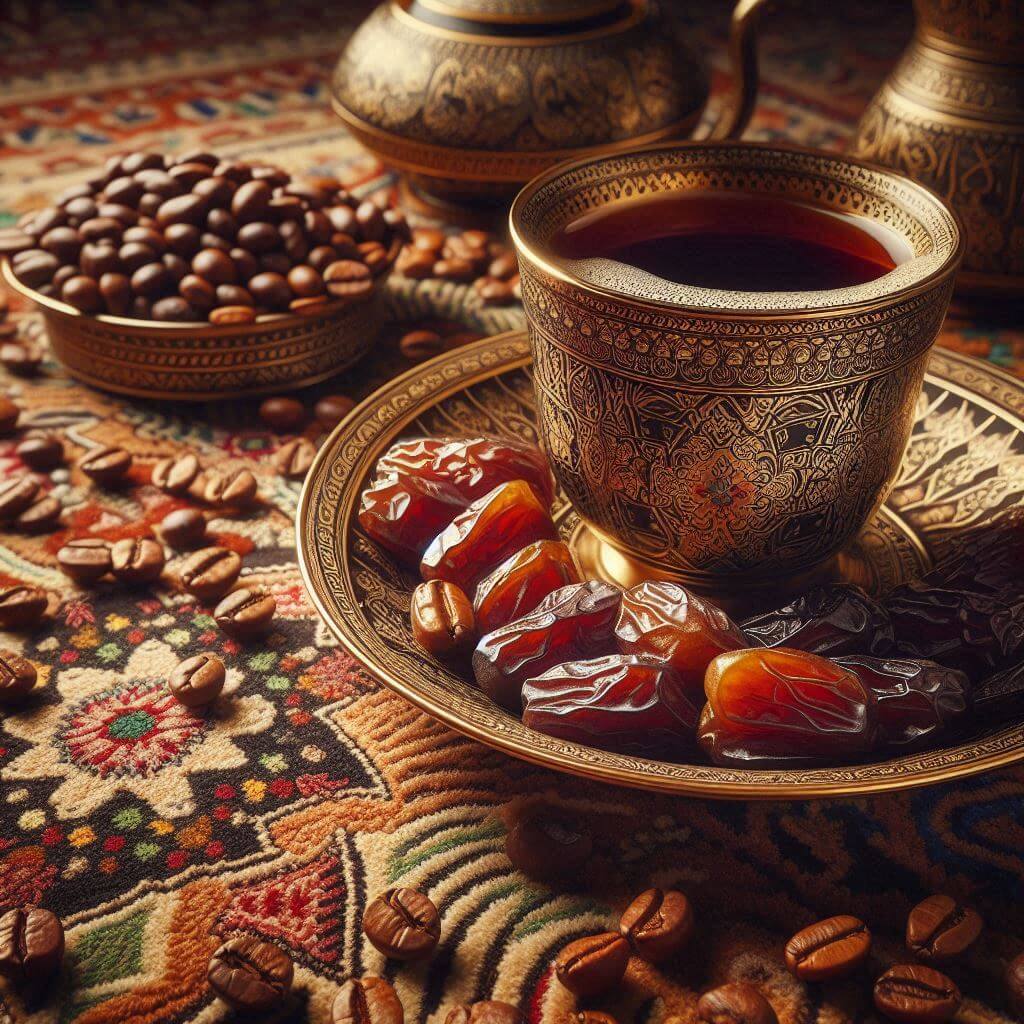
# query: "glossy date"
[621,703]
[572,623]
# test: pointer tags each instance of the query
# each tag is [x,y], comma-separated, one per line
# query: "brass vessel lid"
[518,12]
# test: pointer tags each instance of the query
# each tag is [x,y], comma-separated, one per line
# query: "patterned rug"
[311,787]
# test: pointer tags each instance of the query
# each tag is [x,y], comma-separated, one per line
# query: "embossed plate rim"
[372,425]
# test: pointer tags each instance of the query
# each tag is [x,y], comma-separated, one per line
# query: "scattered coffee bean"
[16,494]
[42,515]
[249,975]
[735,1003]
[283,415]
[176,474]
[19,359]
[1015,984]
[107,465]
[487,1011]
[86,560]
[657,924]
[22,606]
[593,965]
[198,681]
[418,345]
[292,460]
[9,413]
[31,945]
[828,949]
[237,488]
[367,1001]
[41,452]
[17,677]
[403,924]
[940,929]
[183,528]
[442,619]
[211,572]
[548,842]
[245,613]
[455,269]
[137,560]
[332,409]
[916,995]
[493,292]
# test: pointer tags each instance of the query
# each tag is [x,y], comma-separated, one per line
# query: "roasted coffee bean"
[174,309]
[403,924]
[9,413]
[232,315]
[283,415]
[37,269]
[657,924]
[548,842]
[187,209]
[1014,978]
[277,263]
[313,306]
[176,474]
[84,293]
[236,488]
[17,677]
[42,515]
[442,619]
[503,267]
[98,228]
[183,528]
[418,345]
[124,215]
[198,681]
[828,949]
[375,256]
[137,560]
[367,1001]
[251,201]
[64,242]
[16,494]
[153,281]
[135,255]
[245,613]
[332,409]
[735,1003]
[95,261]
[259,237]
[182,239]
[493,292]
[488,1011]
[86,560]
[21,359]
[293,460]
[305,282]
[430,239]
[270,290]
[233,295]
[211,572]
[41,452]
[916,995]
[249,975]
[416,263]
[214,265]
[198,293]
[107,466]
[940,929]
[222,223]
[31,945]
[455,270]
[21,606]
[116,290]
[593,965]
[349,280]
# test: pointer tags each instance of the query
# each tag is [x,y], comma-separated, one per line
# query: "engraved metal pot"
[472,98]
[727,439]
[951,115]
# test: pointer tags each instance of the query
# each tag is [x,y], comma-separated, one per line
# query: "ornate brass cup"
[732,440]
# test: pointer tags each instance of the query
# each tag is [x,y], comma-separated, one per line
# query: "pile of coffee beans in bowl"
[195,238]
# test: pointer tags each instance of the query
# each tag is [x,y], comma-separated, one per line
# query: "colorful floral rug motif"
[154,832]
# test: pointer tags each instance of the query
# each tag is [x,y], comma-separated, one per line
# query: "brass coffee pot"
[470,99]
[951,115]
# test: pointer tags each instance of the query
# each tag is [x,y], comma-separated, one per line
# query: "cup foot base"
[740,598]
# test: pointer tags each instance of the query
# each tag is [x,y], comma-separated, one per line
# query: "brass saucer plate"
[959,468]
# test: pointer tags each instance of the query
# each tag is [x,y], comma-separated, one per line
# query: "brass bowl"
[954,477]
[199,362]
[728,439]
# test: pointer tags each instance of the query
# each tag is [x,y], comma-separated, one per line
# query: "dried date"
[572,623]
[490,530]
[620,702]
[830,620]
[777,706]
[521,582]
[666,622]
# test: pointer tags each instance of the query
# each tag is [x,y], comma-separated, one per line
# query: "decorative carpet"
[311,787]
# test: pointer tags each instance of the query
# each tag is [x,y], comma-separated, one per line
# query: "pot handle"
[743,58]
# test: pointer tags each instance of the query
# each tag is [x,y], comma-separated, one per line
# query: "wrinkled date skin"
[571,624]
[521,582]
[777,706]
[403,514]
[666,622]
[832,620]
[472,465]
[490,530]
[917,700]
[620,702]
[986,557]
